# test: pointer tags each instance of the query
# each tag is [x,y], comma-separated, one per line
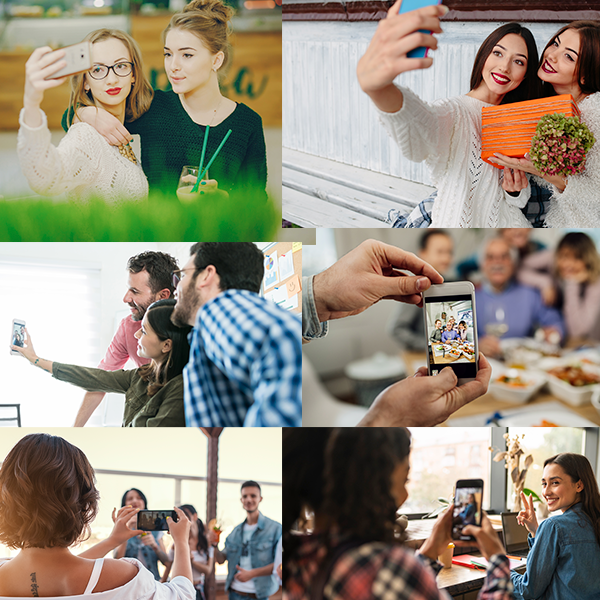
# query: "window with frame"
[60,303]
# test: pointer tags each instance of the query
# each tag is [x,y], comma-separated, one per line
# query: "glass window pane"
[542,443]
[439,457]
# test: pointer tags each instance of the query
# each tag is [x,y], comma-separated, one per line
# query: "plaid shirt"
[535,210]
[245,364]
[380,571]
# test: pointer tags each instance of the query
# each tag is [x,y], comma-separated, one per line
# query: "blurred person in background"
[505,305]
[406,324]
[148,547]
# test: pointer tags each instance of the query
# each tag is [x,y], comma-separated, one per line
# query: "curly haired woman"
[354,553]
[48,500]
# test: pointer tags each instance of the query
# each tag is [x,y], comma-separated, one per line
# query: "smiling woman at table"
[565,550]
[154,392]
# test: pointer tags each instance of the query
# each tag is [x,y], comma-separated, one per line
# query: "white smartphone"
[451,329]
[17,337]
[79,60]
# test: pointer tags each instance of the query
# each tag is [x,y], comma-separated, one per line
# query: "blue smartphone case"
[409,5]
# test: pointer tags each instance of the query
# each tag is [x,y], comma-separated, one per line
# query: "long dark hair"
[578,468]
[202,545]
[586,69]
[530,87]
[158,374]
[344,476]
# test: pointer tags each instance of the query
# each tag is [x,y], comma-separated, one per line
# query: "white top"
[199,557]
[578,205]
[142,587]
[447,136]
[84,164]
[247,587]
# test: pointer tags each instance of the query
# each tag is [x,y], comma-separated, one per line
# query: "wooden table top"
[487,404]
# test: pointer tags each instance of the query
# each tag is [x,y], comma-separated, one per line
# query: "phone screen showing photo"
[450,329]
[18,335]
[155,520]
[467,510]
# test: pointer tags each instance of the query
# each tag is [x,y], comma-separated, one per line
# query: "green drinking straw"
[210,162]
[195,188]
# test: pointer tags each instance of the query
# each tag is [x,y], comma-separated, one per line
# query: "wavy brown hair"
[141,94]
[48,495]
[578,468]
[583,248]
[344,475]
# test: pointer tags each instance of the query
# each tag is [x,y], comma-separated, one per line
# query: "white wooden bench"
[318,192]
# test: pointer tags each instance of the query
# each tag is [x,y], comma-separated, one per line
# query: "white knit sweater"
[447,136]
[83,164]
[579,204]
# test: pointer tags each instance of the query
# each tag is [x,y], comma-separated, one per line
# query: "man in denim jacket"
[250,550]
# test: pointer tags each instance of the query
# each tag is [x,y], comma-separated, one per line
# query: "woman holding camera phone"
[565,550]
[148,547]
[41,466]
[154,392]
[84,164]
[353,552]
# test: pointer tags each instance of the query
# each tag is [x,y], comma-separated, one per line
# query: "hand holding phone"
[18,336]
[410,5]
[468,496]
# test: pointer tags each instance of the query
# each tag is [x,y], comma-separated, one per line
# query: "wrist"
[322,312]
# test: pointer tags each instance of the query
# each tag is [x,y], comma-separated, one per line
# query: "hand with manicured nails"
[43,62]
[424,401]
[386,56]
[527,516]
[107,125]
[486,538]
[514,180]
[367,274]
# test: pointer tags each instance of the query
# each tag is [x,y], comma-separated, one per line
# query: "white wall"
[325,113]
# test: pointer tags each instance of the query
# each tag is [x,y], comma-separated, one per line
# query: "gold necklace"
[215,111]
[126,151]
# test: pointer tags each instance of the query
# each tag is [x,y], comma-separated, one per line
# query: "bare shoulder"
[115,573]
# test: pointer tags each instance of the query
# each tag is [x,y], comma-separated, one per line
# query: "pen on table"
[515,557]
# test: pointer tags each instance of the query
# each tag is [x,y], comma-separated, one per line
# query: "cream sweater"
[83,164]
[447,136]
[578,205]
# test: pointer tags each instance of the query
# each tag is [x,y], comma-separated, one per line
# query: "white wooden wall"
[326,114]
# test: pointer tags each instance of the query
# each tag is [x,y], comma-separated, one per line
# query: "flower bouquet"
[560,145]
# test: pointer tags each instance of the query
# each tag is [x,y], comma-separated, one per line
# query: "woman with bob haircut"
[84,164]
[564,550]
[354,480]
[48,500]
[447,134]
[154,392]
[197,54]
[569,65]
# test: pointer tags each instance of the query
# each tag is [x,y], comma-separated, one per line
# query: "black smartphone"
[155,520]
[451,329]
[468,496]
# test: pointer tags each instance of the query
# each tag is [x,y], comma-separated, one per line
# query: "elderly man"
[507,308]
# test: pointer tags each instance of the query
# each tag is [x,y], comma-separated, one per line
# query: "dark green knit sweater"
[170,140]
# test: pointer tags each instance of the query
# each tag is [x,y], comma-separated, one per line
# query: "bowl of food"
[516,385]
[573,382]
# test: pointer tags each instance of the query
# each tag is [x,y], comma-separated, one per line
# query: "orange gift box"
[508,128]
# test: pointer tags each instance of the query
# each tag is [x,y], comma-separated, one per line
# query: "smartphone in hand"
[155,520]
[468,495]
[79,60]
[409,5]
[17,337]
[451,329]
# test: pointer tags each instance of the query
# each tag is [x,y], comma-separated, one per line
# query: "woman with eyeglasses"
[153,392]
[84,164]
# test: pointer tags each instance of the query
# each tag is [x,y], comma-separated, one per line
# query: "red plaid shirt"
[378,570]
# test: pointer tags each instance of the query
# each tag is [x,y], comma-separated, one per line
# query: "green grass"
[156,219]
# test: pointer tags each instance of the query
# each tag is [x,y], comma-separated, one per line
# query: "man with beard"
[245,364]
[150,278]
[250,550]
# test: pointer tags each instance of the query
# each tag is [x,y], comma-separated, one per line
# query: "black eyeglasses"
[179,275]
[121,69]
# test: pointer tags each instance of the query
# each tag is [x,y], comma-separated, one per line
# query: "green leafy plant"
[560,145]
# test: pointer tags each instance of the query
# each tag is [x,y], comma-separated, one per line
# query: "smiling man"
[149,279]
[250,550]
